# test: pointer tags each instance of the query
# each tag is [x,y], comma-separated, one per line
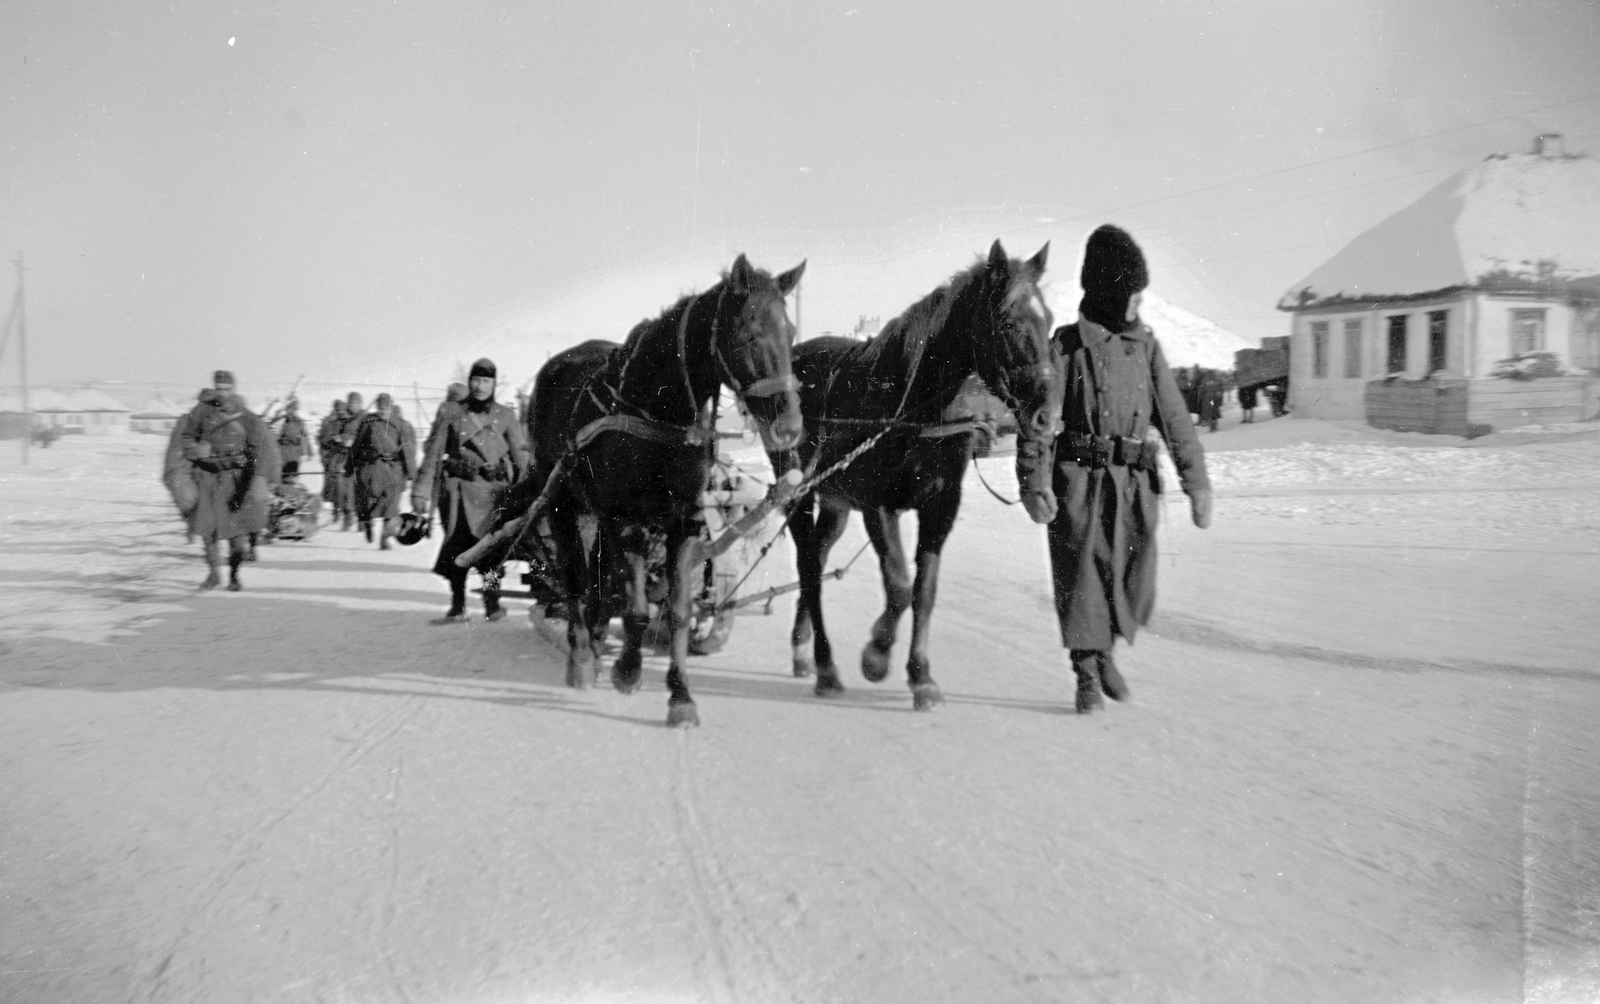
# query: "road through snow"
[1360,764]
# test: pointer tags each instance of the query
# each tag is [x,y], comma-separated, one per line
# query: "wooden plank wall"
[1476,407]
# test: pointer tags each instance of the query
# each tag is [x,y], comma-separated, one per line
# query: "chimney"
[1548,145]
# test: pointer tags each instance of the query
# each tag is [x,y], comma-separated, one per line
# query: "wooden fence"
[1477,407]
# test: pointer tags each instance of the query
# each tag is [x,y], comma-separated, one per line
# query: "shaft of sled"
[512,530]
[751,521]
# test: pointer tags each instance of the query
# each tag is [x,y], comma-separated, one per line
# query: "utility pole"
[797,317]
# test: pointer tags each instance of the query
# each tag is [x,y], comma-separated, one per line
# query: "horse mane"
[908,332]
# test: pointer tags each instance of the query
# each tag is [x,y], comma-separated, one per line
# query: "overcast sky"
[281,186]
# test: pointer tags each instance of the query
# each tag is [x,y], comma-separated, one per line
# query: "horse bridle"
[764,387]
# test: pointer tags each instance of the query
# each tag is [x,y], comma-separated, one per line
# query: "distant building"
[157,415]
[1496,268]
[866,327]
[90,412]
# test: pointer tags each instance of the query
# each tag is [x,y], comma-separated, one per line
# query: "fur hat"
[382,401]
[1113,265]
[222,377]
[483,367]
[353,401]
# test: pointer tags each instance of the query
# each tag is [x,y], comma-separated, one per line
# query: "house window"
[1438,338]
[1319,348]
[1352,348]
[1527,331]
[1397,343]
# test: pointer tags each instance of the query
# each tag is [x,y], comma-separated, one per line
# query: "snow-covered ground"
[1359,764]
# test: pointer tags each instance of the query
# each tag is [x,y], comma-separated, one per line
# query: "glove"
[1200,507]
[1041,506]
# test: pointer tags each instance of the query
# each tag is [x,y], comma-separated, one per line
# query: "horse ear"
[997,257]
[790,279]
[1037,262]
[739,275]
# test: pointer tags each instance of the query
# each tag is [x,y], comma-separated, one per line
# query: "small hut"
[158,415]
[1476,307]
[87,411]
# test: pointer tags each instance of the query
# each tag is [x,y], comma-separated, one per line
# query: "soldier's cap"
[354,400]
[1113,264]
[338,405]
[222,378]
[207,395]
[382,401]
[484,368]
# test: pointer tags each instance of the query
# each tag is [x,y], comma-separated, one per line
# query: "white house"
[1499,262]
[87,411]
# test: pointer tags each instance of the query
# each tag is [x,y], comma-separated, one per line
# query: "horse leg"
[883,529]
[573,558]
[626,672]
[683,561]
[933,527]
[802,531]
[831,521]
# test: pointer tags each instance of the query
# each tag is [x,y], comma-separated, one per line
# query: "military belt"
[1109,451]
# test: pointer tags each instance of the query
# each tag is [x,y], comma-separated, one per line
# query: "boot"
[234,561]
[349,520]
[383,535]
[213,580]
[458,602]
[1086,664]
[1111,681]
[366,529]
[491,605]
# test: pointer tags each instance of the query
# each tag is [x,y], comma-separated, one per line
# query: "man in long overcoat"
[328,448]
[476,452]
[292,438]
[383,457]
[344,490]
[1105,480]
[236,467]
[177,472]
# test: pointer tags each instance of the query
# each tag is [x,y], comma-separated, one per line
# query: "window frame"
[1438,340]
[1519,315]
[1355,336]
[1395,361]
[1319,350]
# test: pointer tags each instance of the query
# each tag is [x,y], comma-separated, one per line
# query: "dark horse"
[631,428]
[989,319]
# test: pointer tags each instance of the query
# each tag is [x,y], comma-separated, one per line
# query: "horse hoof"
[580,676]
[874,663]
[804,668]
[926,697]
[626,672]
[682,715]
[828,685]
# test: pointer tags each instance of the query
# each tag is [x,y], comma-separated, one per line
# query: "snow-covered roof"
[160,407]
[1186,339]
[47,400]
[1521,221]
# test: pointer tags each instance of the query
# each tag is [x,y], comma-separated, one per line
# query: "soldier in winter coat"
[1106,484]
[177,473]
[476,452]
[236,466]
[328,448]
[383,457]
[292,438]
[338,462]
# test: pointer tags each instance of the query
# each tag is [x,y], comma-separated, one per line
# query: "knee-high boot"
[213,580]
[238,554]
[1086,665]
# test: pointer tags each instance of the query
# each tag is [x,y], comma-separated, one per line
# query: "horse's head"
[1018,363]
[752,347]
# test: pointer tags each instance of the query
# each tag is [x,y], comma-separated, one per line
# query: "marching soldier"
[475,453]
[236,466]
[328,448]
[177,472]
[292,439]
[383,457]
[1103,537]
[344,501]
